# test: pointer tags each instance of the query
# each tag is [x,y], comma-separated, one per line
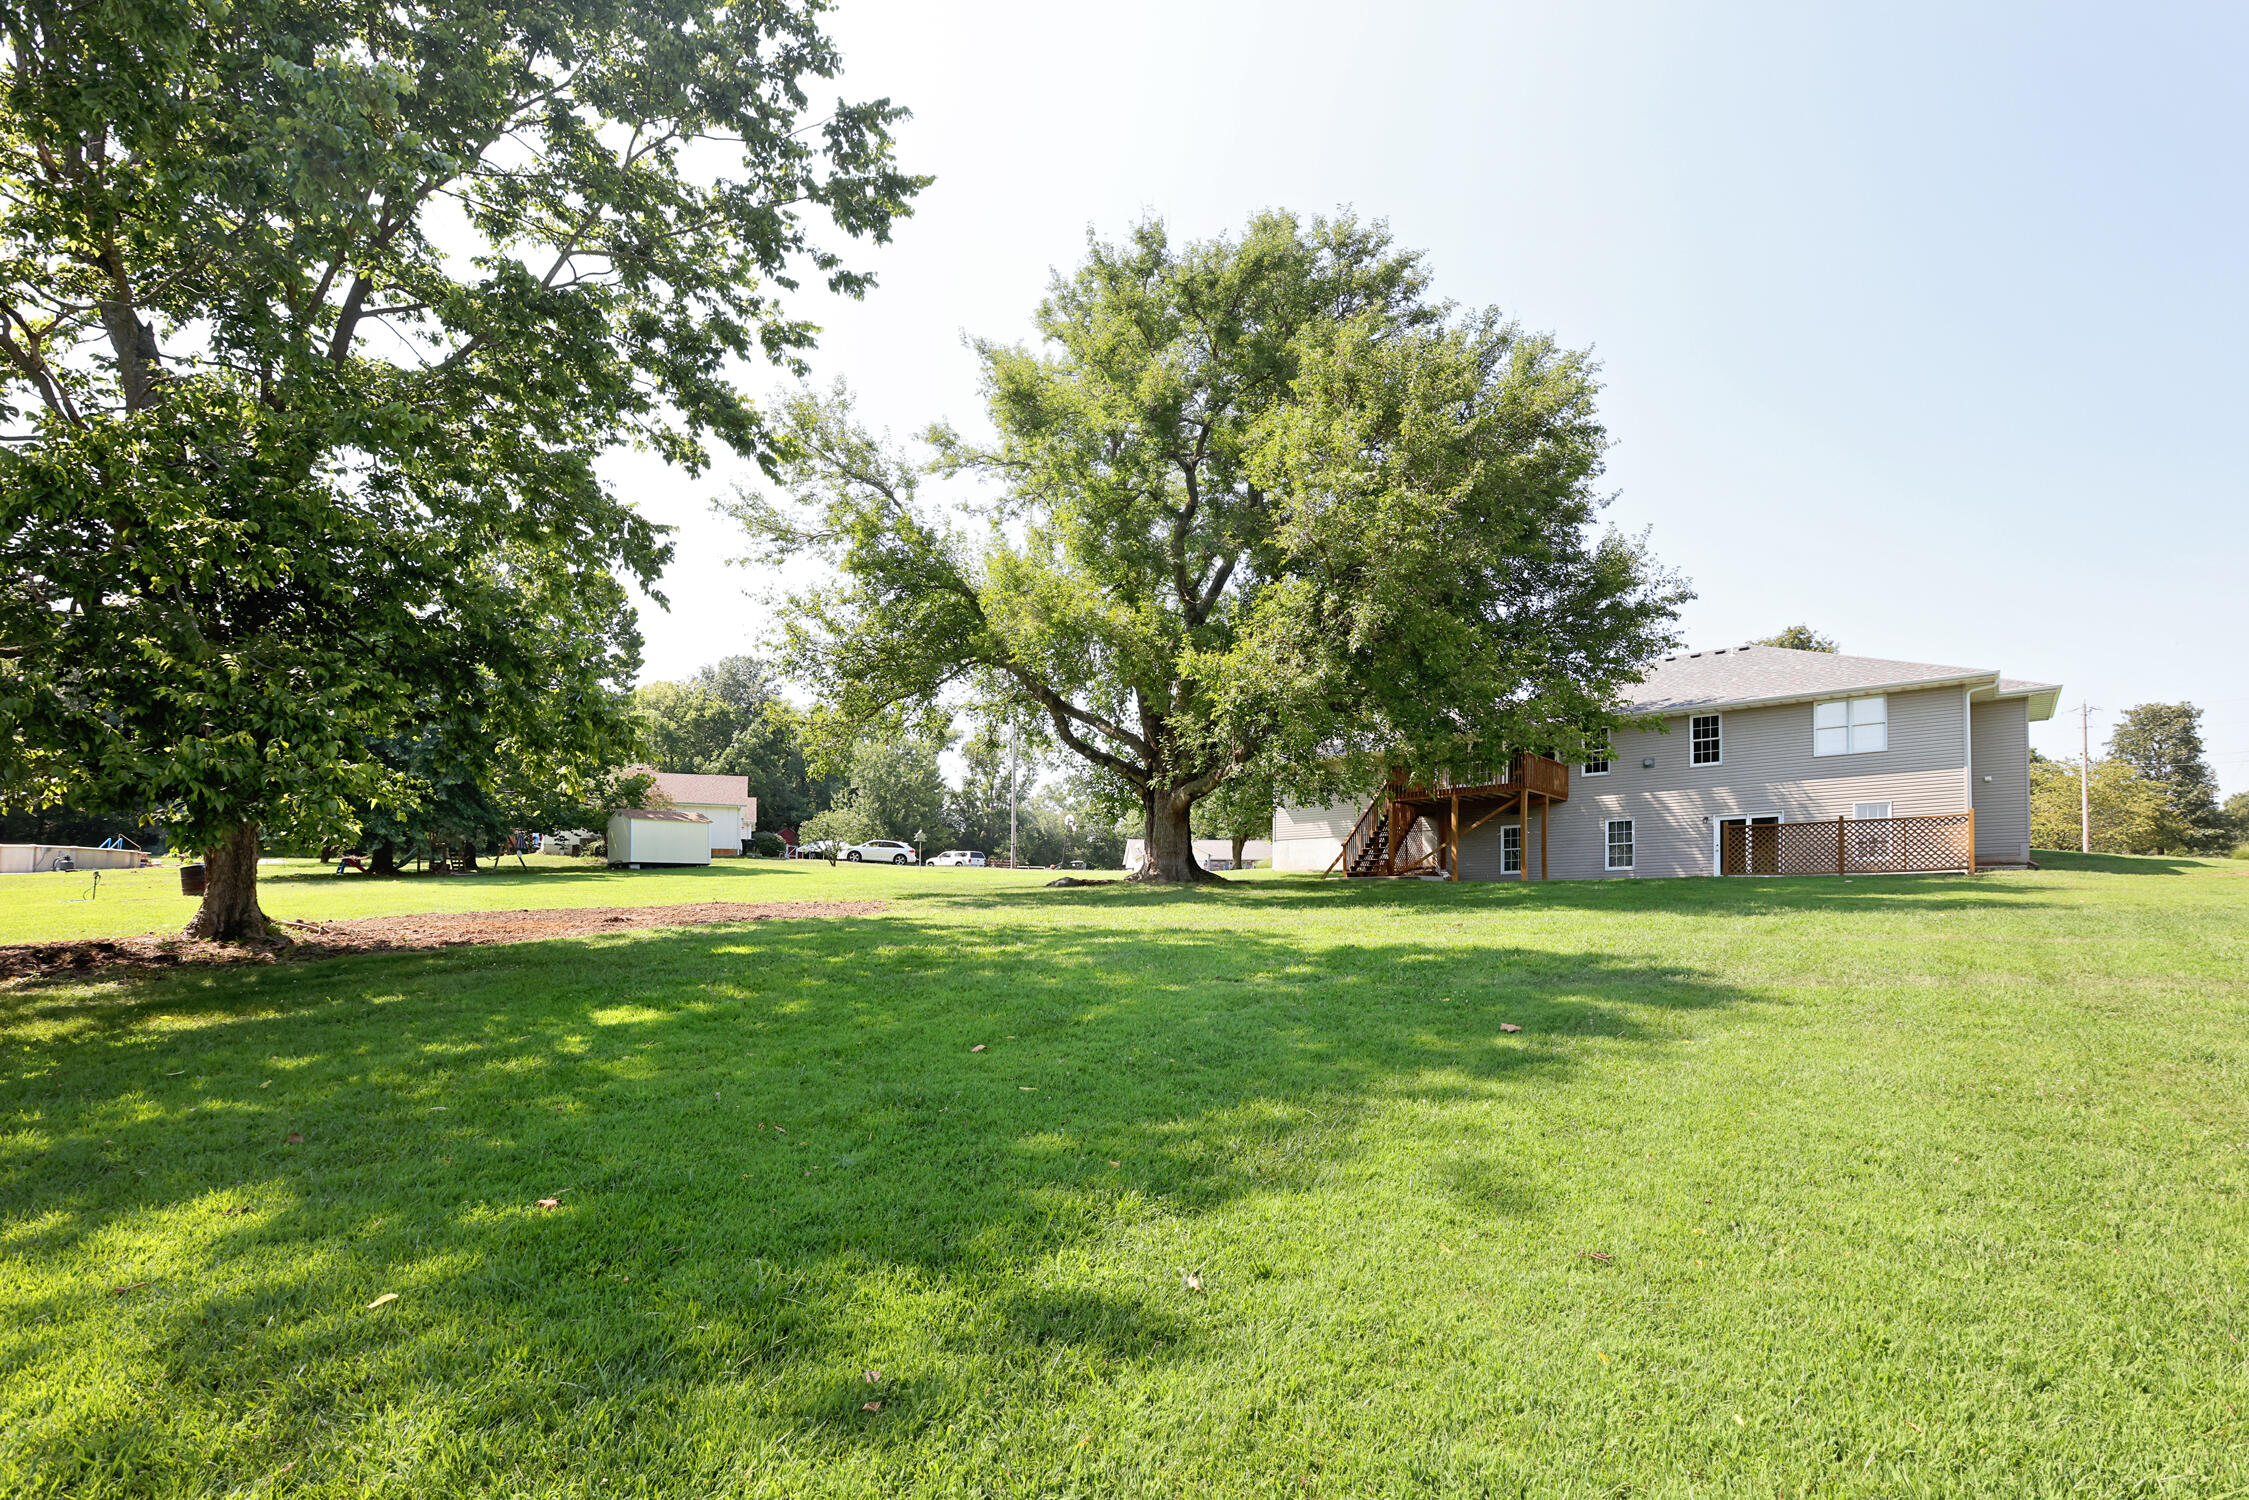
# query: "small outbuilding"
[659,836]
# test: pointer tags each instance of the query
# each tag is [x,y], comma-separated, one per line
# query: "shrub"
[767,845]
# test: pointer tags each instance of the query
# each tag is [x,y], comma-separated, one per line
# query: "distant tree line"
[729,720]
[2151,792]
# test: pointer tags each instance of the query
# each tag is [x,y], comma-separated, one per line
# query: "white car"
[960,857]
[881,852]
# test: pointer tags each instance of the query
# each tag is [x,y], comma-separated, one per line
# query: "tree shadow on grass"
[772,1149]
[2124,864]
[1692,896]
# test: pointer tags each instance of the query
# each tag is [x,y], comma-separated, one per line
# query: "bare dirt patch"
[419,932]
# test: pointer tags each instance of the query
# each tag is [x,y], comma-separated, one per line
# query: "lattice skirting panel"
[1851,846]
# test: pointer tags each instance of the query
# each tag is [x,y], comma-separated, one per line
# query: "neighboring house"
[1211,854]
[725,800]
[1759,742]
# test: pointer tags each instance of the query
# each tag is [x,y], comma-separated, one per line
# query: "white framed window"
[1850,726]
[1620,843]
[1598,766]
[1703,735]
[1511,849]
[1870,809]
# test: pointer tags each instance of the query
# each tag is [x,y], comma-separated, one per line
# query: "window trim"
[1586,768]
[1504,867]
[1718,737]
[1850,724]
[1609,841]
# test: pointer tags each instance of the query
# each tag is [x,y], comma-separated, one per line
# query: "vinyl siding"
[2001,739]
[1309,838]
[1767,768]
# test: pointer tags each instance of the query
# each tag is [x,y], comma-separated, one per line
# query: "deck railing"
[1521,771]
[1851,846]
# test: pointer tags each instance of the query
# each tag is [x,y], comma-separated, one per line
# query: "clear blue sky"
[1926,325]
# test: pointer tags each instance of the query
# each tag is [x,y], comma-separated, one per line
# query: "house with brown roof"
[725,801]
[1759,760]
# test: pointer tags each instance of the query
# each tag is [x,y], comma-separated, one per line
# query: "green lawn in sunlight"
[1904,1186]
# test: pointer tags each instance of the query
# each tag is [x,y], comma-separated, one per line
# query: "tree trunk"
[386,858]
[468,856]
[1168,853]
[230,912]
[1239,841]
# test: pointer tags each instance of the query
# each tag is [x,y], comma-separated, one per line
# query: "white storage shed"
[659,836]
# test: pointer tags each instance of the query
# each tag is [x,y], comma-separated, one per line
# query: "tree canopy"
[893,789]
[313,320]
[2163,743]
[728,720]
[1259,505]
[1799,638]
[2127,809]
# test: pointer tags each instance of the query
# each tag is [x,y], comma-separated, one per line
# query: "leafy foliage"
[894,790]
[1799,638]
[1241,809]
[1264,508]
[727,720]
[2128,811]
[313,319]
[2163,742]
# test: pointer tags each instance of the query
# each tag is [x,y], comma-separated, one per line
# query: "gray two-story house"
[1891,759]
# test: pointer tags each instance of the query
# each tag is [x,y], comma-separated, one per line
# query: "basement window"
[1620,843]
[1511,849]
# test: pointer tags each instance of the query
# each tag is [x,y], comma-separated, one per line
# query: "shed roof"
[660,815]
[1743,676]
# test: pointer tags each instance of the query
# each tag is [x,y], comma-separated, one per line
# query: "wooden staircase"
[1373,855]
[1381,845]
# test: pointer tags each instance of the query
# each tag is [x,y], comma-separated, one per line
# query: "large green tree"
[313,321]
[2163,743]
[1260,504]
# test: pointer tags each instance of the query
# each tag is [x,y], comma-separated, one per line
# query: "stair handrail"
[1357,838]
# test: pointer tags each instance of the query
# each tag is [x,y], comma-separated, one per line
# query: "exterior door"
[1749,846]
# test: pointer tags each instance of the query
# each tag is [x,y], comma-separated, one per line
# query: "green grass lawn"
[1876,1187]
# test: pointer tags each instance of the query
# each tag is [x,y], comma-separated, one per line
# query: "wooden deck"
[1414,829]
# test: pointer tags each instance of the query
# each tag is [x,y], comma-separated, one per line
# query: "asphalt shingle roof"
[1738,675]
[700,790]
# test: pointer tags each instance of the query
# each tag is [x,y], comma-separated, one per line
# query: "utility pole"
[2084,778]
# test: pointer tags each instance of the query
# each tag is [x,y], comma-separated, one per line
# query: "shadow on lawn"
[767,1142]
[1733,896]
[2121,864]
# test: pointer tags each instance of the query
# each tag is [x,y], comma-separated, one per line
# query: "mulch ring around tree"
[420,932]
